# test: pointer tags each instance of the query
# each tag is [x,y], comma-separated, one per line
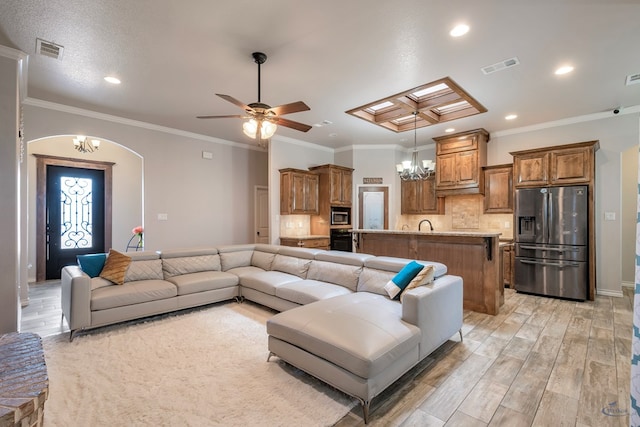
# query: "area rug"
[204,368]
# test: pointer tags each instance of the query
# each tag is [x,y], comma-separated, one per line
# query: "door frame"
[256,190]
[42,161]
[376,189]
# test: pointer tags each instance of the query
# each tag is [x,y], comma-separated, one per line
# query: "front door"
[75,215]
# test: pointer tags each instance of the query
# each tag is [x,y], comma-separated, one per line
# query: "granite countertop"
[432,233]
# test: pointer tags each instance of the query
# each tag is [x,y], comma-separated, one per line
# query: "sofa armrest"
[76,297]
[436,310]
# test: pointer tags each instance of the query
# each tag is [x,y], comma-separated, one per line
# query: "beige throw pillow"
[115,267]
[424,277]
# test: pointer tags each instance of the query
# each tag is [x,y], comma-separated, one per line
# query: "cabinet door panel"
[298,191]
[467,168]
[311,194]
[446,170]
[409,197]
[347,186]
[335,196]
[571,166]
[498,190]
[429,202]
[531,170]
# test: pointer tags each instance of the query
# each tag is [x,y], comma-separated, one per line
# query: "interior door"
[262,215]
[75,215]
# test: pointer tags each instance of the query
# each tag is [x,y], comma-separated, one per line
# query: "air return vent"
[633,79]
[49,49]
[499,66]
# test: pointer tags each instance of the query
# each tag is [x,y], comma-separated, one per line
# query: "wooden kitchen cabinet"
[306,242]
[498,189]
[507,255]
[459,161]
[298,192]
[419,197]
[336,184]
[559,165]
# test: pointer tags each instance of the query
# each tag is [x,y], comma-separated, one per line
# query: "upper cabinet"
[559,165]
[419,197]
[498,189]
[459,161]
[298,192]
[336,185]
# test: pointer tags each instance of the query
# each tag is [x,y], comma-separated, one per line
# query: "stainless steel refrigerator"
[551,242]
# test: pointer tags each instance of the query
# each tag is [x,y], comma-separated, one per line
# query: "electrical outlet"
[507,224]
[207,155]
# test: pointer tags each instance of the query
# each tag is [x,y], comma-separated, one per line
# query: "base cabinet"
[314,242]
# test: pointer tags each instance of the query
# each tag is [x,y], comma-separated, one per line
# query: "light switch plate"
[609,216]
[163,217]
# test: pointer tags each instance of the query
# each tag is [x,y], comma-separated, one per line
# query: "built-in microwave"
[340,216]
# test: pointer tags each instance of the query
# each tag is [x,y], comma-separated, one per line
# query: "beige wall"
[11,179]
[629,214]
[127,186]
[207,202]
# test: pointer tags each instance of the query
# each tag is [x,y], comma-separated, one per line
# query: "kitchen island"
[472,255]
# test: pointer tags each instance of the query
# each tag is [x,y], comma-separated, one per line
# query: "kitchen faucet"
[425,220]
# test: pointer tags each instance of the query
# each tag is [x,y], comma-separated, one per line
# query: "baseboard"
[628,284]
[608,293]
[24,302]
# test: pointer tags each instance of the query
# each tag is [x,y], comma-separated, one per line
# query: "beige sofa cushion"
[203,281]
[131,293]
[191,264]
[339,274]
[235,259]
[144,270]
[307,291]
[373,280]
[291,265]
[263,260]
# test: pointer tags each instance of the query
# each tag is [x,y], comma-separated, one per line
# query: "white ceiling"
[173,56]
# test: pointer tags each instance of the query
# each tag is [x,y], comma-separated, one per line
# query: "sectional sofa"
[336,319]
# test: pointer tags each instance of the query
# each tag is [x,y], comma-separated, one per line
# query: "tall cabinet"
[335,189]
[572,164]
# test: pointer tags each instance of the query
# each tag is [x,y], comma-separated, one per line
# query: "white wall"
[616,135]
[207,202]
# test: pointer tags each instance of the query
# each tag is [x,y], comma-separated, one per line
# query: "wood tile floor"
[540,362]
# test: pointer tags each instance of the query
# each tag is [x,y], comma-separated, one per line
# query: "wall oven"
[341,240]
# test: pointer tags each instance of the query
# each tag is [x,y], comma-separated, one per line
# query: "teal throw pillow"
[402,279]
[92,263]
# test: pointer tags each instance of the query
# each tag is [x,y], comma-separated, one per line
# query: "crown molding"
[16,54]
[135,123]
[568,121]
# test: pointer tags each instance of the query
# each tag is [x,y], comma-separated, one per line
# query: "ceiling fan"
[263,118]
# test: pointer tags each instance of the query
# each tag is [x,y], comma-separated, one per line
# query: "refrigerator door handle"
[546,213]
[546,248]
[551,264]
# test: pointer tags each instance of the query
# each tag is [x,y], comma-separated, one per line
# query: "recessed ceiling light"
[564,70]
[449,130]
[511,117]
[459,30]
[112,80]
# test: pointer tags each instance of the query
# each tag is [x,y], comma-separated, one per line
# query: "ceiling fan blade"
[294,107]
[293,125]
[232,100]
[233,116]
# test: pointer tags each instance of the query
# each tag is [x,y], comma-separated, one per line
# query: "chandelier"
[410,170]
[81,144]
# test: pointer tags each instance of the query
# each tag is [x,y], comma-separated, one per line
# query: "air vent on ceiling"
[499,66]
[633,79]
[49,49]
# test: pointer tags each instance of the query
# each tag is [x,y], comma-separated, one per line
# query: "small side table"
[24,384]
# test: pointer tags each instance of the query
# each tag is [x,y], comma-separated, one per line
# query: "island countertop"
[431,233]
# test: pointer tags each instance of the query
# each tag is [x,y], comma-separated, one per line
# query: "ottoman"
[357,343]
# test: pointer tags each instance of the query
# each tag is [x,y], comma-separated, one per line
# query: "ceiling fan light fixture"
[267,129]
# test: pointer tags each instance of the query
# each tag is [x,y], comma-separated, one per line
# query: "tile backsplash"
[462,213]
